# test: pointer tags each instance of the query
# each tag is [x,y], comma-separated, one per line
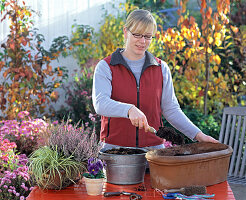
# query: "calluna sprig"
[74,140]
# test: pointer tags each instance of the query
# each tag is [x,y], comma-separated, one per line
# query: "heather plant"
[71,140]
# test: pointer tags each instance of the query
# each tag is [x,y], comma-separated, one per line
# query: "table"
[222,191]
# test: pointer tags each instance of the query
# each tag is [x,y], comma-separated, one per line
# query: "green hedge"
[209,124]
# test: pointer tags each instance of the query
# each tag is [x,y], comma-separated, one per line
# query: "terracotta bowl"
[186,165]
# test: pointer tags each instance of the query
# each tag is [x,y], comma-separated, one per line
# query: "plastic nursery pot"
[94,187]
[186,165]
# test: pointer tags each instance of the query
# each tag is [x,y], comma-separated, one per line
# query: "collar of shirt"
[117,58]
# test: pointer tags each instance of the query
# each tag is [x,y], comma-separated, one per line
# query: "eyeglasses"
[137,35]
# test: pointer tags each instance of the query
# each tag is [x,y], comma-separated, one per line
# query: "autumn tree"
[194,54]
[25,64]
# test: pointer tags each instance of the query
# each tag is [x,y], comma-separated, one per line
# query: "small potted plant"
[94,178]
[63,160]
[52,170]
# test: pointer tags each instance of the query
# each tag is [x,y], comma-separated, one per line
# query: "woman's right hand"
[138,118]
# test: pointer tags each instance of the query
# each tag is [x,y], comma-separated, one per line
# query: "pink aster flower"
[23,114]
[55,122]
[84,92]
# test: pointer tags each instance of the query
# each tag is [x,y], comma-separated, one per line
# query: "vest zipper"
[108,126]
[137,129]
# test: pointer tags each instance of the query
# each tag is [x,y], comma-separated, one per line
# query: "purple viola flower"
[95,167]
[91,160]
[100,164]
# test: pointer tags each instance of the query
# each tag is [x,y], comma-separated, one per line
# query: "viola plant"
[95,169]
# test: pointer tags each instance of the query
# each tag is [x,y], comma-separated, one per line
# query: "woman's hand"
[138,118]
[201,137]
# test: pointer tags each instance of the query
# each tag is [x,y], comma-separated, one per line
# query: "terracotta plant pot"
[94,187]
[194,164]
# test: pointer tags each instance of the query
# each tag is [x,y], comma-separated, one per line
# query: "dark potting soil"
[171,135]
[191,149]
[124,151]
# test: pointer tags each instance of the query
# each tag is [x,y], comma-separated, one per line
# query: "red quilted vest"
[120,131]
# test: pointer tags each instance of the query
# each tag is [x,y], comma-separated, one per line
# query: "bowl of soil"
[180,166]
[124,166]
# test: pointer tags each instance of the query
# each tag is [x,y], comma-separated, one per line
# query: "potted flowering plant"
[94,178]
[63,161]
[52,170]
[15,181]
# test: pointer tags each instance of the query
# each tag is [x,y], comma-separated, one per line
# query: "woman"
[132,89]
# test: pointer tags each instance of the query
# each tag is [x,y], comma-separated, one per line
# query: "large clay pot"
[94,187]
[178,166]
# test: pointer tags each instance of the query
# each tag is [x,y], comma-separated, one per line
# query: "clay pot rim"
[177,160]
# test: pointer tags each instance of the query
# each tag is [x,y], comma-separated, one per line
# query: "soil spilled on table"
[125,151]
[169,134]
[191,149]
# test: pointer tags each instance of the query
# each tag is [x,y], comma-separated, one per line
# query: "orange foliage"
[190,51]
[23,87]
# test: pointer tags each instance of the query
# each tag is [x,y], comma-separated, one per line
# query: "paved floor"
[239,191]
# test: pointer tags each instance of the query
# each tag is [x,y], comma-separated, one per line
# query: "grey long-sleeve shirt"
[104,105]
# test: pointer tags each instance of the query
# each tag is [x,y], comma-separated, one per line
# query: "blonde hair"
[140,21]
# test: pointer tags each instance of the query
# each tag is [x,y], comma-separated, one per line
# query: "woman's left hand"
[201,137]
